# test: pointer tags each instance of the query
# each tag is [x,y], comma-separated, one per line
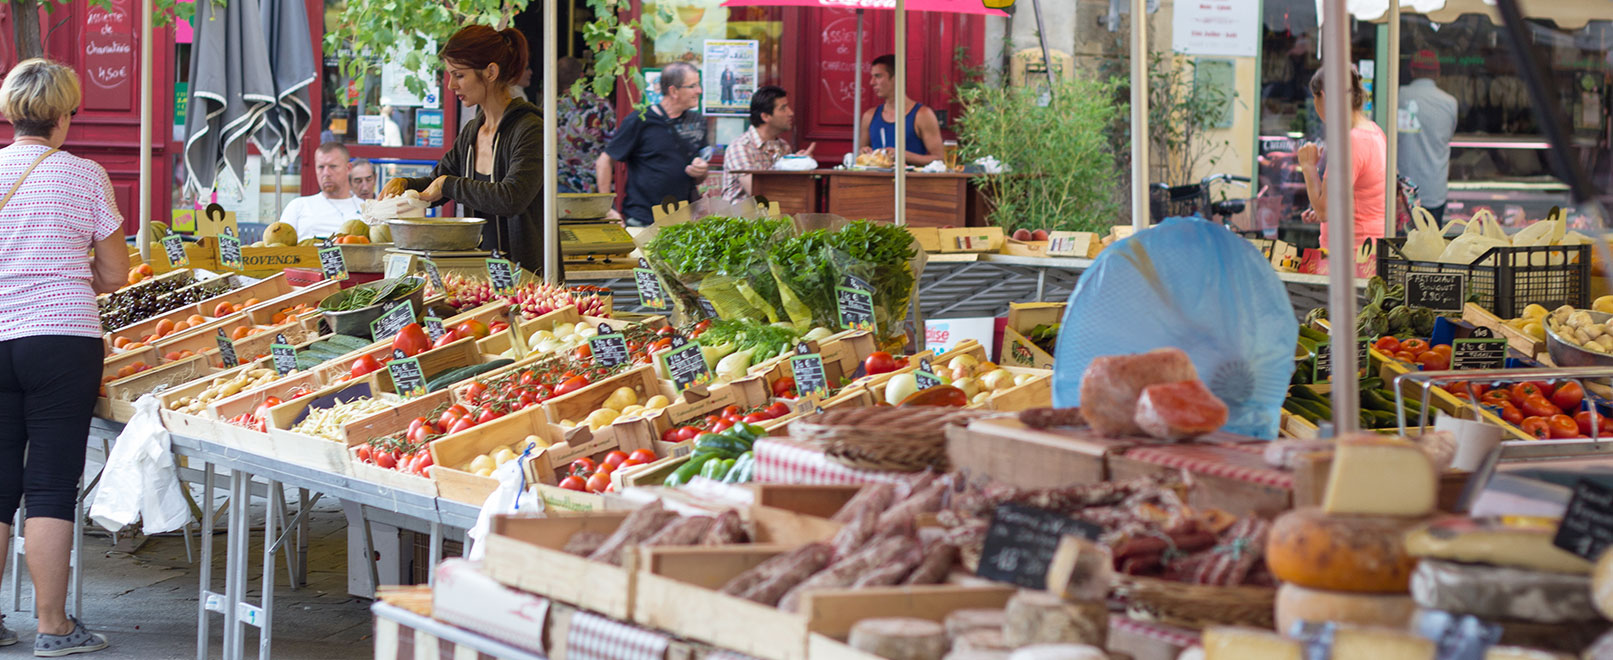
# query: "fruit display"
[407,451]
[142,301]
[978,381]
[1555,410]
[1027,234]
[1533,321]
[141,273]
[1378,410]
[532,298]
[292,313]
[224,387]
[622,403]
[278,234]
[124,372]
[1415,353]
[725,419]
[591,476]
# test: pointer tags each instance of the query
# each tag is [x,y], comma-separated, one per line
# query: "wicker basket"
[1197,606]
[884,438]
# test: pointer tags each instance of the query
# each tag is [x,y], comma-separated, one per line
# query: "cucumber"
[720,445]
[1303,393]
[452,376]
[1317,410]
[1371,400]
[688,470]
[306,361]
[348,344]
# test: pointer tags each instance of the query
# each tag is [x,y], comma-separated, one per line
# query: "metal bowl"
[440,234]
[584,206]
[356,322]
[1564,354]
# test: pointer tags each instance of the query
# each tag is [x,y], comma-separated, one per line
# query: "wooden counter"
[933,199]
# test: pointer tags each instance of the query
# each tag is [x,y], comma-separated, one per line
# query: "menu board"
[1021,540]
[332,262]
[650,292]
[502,273]
[408,378]
[393,320]
[174,245]
[1482,350]
[810,380]
[226,349]
[609,347]
[684,364]
[855,300]
[285,355]
[229,252]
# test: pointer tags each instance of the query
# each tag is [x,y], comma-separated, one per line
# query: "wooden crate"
[499,342]
[842,353]
[332,456]
[451,452]
[1037,393]
[268,288]
[171,374]
[263,313]
[1516,339]
[548,465]
[497,310]
[393,479]
[459,353]
[202,339]
[697,402]
[1210,461]
[139,331]
[676,590]
[143,355]
[170,397]
[577,405]
[524,553]
[1004,449]
[257,344]
[332,371]
[821,501]
[285,388]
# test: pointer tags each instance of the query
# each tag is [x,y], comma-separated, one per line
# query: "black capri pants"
[48,386]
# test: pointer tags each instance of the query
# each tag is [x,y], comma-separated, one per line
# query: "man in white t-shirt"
[322,214]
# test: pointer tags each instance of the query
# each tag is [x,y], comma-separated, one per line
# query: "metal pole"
[551,175]
[1340,212]
[901,114]
[1391,110]
[857,93]
[142,236]
[1041,36]
[1139,113]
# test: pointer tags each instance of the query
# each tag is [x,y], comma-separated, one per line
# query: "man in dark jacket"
[661,147]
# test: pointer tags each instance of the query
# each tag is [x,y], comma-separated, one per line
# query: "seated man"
[323,213]
[760,146]
[362,177]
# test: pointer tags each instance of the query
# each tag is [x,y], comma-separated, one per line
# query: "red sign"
[109,57]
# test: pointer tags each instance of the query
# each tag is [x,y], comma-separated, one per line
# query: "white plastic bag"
[408,205]
[1475,240]
[509,497]
[140,481]
[1426,240]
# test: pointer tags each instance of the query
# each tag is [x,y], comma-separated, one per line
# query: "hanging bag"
[1426,240]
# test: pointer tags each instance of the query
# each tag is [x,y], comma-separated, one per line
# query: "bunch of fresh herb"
[880,255]
[807,278]
[764,339]
[724,260]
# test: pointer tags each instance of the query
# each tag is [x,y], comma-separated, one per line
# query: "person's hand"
[808,150]
[866,150]
[433,192]
[1308,155]
[1309,216]
[613,214]
[394,188]
[696,169]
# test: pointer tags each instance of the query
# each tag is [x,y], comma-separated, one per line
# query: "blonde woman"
[54,207]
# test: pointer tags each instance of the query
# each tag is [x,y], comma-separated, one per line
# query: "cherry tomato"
[1589,421]
[615,458]
[1387,345]
[712,419]
[474,391]
[1563,426]
[363,453]
[461,424]
[879,362]
[448,418]
[498,326]
[778,409]
[526,399]
[784,387]
[527,377]
[598,482]
[702,326]
[584,466]
[386,460]
[1536,426]
[662,344]
[731,410]
[488,415]
[671,434]
[1569,396]
[574,483]
[719,427]
[642,456]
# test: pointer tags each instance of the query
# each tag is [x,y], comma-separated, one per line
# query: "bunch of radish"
[532,298]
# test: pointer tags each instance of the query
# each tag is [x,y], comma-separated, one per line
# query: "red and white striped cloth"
[46,231]
[594,637]
[784,460]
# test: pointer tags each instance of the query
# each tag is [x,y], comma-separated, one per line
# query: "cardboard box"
[464,596]
[1017,350]
[1017,248]
[972,239]
[1077,244]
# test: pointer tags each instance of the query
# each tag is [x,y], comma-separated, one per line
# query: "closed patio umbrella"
[292,65]
[231,86]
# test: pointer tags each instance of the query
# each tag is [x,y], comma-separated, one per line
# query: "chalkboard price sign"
[332,262]
[1441,292]
[1323,372]
[810,380]
[174,245]
[502,274]
[855,299]
[393,320]
[408,379]
[1586,528]
[1021,540]
[609,348]
[434,274]
[707,310]
[650,292]
[925,377]
[229,252]
[684,364]
[1480,351]
[226,349]
[285,355]
[434,328]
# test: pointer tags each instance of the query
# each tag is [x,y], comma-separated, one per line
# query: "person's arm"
[518,185]
[451,164]
[868,118]
[929,129]
[604,171]
[1315,187]
[110,269]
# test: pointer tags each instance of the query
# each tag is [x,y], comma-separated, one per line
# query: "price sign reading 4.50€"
[174,245]
[502,273]
[332,262]
[650,292]
[855,299]
[285,355]
[808,368]
[1021,540]
[226,349]
[408,379]
[229,252]
[609,347]
[684,363]
[393,320]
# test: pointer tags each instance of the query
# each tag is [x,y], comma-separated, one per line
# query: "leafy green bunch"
[811,265]
[723,259]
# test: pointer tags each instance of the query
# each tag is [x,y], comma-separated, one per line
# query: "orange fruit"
[145,270]
[196,319]
[223,309]
[240,332]
[126,371]
[150,339]
[172,356]
[278,318]
[165,326]
[249,302]
[120,342]
[185,354]
[134,345]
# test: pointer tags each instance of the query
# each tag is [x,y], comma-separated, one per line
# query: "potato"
[1581,337]
[480,463]
[503,455]
[1579,319]
[621,398]
[657,402]
[1534,311]
[601,418]
[1595,330]
[1535,330]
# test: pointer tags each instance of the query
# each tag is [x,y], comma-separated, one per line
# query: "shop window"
[383,110]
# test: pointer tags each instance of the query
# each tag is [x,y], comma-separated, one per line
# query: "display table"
[934,199]
[404,635]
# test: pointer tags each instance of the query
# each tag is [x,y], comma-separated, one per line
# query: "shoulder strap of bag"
[24,176]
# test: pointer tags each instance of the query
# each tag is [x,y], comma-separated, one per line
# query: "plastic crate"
[1506,279]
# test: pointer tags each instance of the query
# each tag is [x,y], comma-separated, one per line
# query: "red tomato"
[879,362]
[498,326]
[615,458]
[574,483]
[1432,361]
[755,418]
[661,344]
[1406,356]
[474,391]
[364,454]
[526,399]
[446,339]
[598,482]
[712,419]
[1546,389]
[1498,396]
[1413,345]
[583,352]
[721,426]
[487,415]
[363,365]
[473,328]
[1538,406]
[571,385]
[1563,426]
[687,433]
[262,411]
[671,434]
[528,377]
[1589,421]
[1387,345]
[412,340]
[1510,413]
[1536,426]
[605,468]
[460,424]
[642,456]
[665,331]
[386,460]
[1522,391]
[778,409]
[784,387]
[1568,396]
[449,417]
[730,410]
[702,326]
[584,466]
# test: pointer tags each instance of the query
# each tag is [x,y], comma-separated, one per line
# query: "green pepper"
[710,468]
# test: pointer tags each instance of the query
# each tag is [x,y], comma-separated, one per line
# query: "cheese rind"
[1383,477]
[1350,643]
[900,638]
[1296,603]
[1038,617]
[1498,592]
[1494,541]
[1237,643]
[962,621]
[1362,554]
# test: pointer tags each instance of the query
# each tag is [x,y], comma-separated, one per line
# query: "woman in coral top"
[1368,157]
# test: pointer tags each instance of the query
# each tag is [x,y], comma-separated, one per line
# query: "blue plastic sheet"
[1190,284]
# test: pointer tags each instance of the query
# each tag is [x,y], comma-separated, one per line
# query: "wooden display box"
[200,257]
[1036,393]
[106,408]
[843,352]
[523,552]
[1005,450]
[548,465]
[435,362]
[822,501]
[1256,494]
[268,261]
[311,295]
[497,310]
[676,590]
[203,338]
[139,331]
[270,287]
[1018,248]
[499,342]
[284,388]
[170,374]
[1516,339]
[331,371]
[577,405]
[332,456]
[1075,244]
[451,453]
[697,402]
[394,479]
[1017,350]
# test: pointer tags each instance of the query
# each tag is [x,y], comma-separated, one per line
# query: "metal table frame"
[462,638]
[356,495]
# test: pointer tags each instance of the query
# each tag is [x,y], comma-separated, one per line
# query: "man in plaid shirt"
[760,146]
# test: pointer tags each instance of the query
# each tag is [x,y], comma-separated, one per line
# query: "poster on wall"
[728,76]
[1224,29]
[652,86]
[692,23]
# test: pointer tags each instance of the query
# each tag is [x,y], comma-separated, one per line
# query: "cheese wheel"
[1351,643]
[980,639]
[1602,584]
[962,621]
[1380,476]
[976,655]
[1296,603]
[1499,592]
[1238,643]
[1059,652]
[1365,554]
[900,638]
[1520,543]
[1080,570]
[1520,653]
[1038,617]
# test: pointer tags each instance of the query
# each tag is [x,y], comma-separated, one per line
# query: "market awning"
[1568,15]
[231,86]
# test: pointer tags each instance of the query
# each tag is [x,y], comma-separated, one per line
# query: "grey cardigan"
[510,202]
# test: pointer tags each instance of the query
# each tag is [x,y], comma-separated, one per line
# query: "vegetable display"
[812,265]
[724,261]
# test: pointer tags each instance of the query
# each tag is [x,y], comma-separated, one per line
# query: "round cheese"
[1059,652]
[1364,554]
[980,639]
[1238,643]
[1602,584]
[1296,603]
[1038,617]
[900,638]
[962,621]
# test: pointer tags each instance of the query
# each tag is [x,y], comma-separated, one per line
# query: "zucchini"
[688,470]
[1371,400]
[1304,393]
[306,361]
[348,344]
[1312,333]
[452,376]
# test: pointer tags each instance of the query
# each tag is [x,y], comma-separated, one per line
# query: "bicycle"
[1195,199]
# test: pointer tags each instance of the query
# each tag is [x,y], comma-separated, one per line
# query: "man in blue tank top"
[879,124]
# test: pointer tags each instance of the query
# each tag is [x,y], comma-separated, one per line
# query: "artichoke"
[1316,314]
[1400,319]
[1422,321]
